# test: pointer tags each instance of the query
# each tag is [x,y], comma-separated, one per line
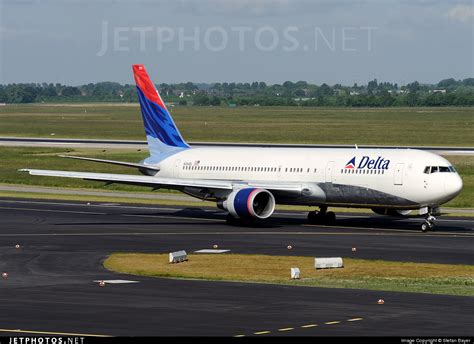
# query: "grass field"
[14,158]
[387,126]
[357,273]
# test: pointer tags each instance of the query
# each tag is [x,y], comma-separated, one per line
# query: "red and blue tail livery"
[156,118]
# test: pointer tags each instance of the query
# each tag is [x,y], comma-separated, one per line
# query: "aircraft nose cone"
[453,185]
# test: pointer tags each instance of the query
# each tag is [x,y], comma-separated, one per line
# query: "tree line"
[447,92]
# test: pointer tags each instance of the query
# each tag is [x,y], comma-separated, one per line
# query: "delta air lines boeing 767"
[249,181]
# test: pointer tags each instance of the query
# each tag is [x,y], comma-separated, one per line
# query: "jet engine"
[249,203]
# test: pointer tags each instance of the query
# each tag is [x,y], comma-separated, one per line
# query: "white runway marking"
[210,250]
[53,333]
[87,205]
[54,211]
[242,233]
[302,214]
[173,217]
[116,281]
[158,216]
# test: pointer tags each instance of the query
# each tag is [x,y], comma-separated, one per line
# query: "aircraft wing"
[113,162]
[132,179]
[164,181]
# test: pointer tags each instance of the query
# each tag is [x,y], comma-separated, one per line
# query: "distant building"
[438,91]
[354,93]
[398,91]
[179,93]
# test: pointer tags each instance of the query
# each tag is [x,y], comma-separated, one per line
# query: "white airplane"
[248,182]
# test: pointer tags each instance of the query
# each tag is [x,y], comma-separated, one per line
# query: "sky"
[77,42]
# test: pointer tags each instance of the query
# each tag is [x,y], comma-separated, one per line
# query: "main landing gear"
[322,217]
[429,223]
[233,221]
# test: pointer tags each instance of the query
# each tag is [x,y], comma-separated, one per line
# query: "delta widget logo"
[351,164]
[371,164]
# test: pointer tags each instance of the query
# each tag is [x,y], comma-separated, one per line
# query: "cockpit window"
[442,169]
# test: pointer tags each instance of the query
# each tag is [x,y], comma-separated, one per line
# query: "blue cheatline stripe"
[240,202]
[158,123]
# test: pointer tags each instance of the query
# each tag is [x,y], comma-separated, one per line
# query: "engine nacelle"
[250,202]
[391,212]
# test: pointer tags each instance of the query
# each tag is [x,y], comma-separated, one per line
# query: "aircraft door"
[329,172]
[398,177]
[177,167]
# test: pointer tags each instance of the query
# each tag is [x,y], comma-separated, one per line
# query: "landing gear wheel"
[429,223]
[330,218]
[321,217]
[313,217]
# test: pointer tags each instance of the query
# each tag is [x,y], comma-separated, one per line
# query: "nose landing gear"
[429,223]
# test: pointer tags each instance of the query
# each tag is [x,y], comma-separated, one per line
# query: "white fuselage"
[394,178]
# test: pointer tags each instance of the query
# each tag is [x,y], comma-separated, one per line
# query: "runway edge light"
[328,263]
[178,257]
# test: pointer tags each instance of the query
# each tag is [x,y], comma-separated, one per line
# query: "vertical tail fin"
[162,134]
